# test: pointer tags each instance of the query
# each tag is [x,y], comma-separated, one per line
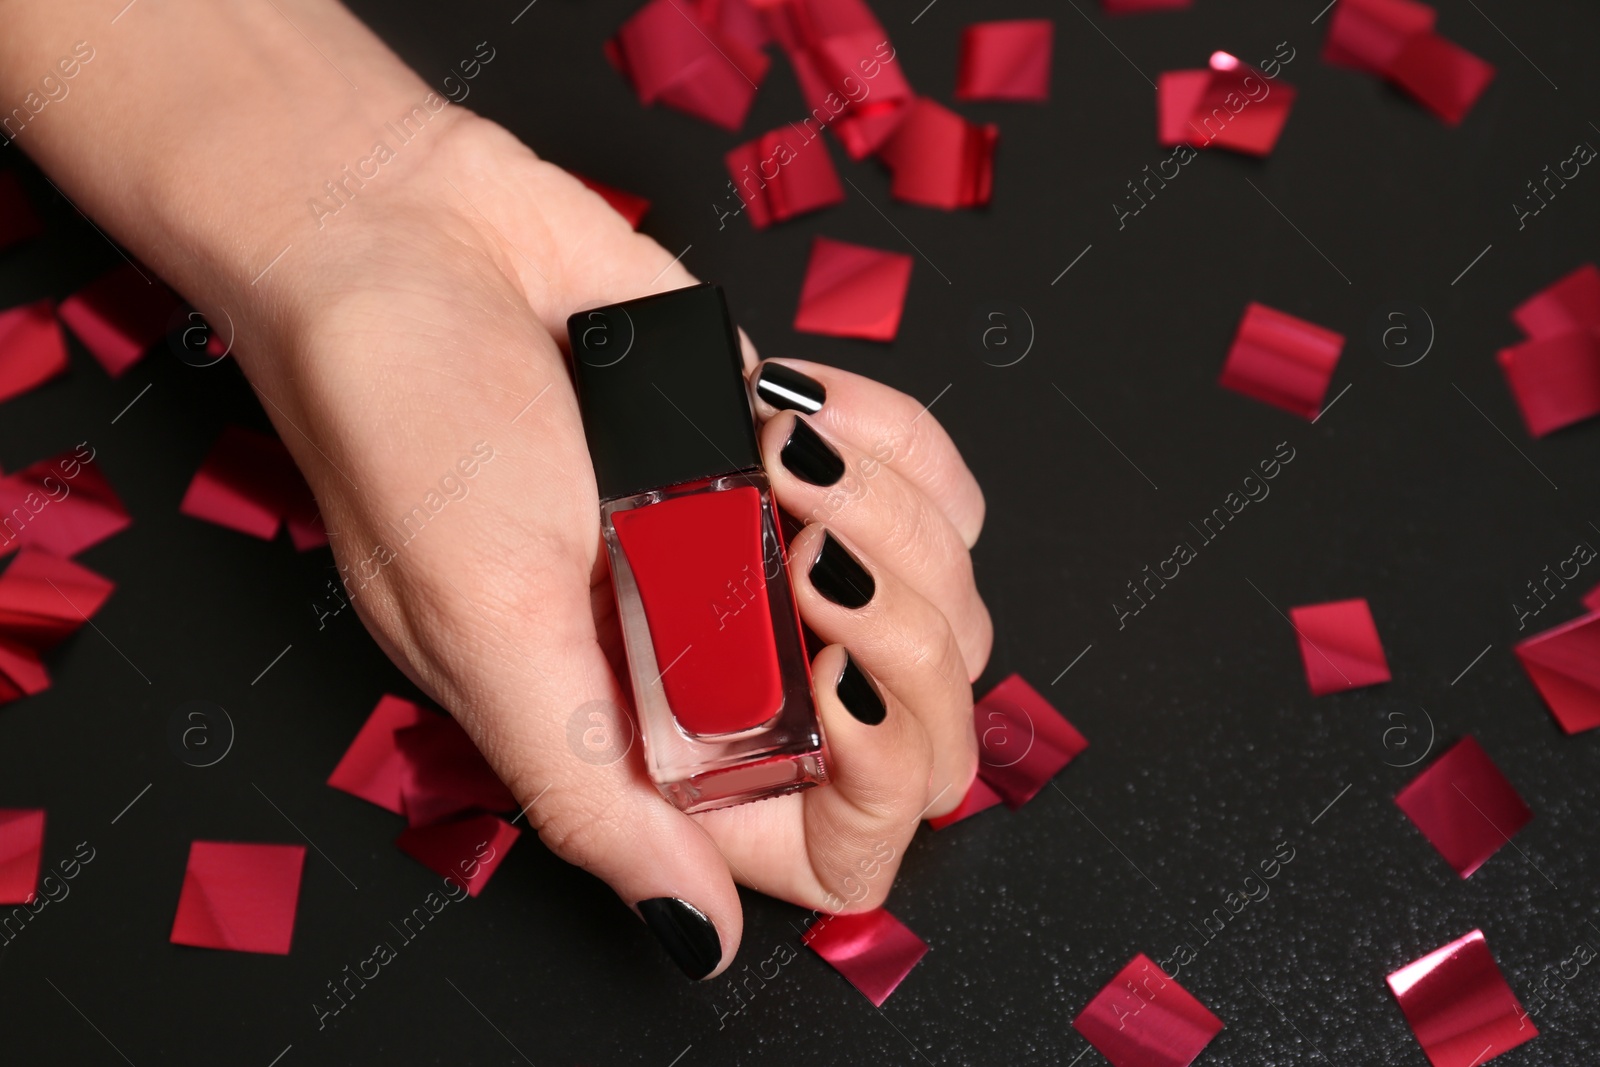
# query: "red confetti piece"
[44,598]
[1142,1018]
[1554,380]
[1131,7]
[22,673]
[32,350]
[1232,105]
[873,950]
[18,221]
[119,315]
[1369,35]
[1464,806]
[445,773]
[672,56]
[21,849]
[737,19]
[979,798]
[467,851]
[373,767]
[1023,741]
[848,70]
[782,175]
[1591,600]
[1459,1004]
[1564,664]
[240,897]
[249,483]
[1444,77]
[629,206]
[1282,360]
[63,505]
[936,158]
[853,291]
[1339,646]
[1395,39]
[1007,60]
[1569,304]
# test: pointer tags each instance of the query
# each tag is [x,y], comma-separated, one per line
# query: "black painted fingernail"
[810,458]
[858,695]
[788,390]
[689,937]
[839,576]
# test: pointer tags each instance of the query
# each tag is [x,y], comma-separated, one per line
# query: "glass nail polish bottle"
[721,681]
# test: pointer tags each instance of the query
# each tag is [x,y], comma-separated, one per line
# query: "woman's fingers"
[857,829]
[522,671]
[902,642]
[895,522]
[896,430]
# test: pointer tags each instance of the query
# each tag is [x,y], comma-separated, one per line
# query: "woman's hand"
[401,315]
[435,329]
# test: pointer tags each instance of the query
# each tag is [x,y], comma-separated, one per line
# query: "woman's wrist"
[240,182]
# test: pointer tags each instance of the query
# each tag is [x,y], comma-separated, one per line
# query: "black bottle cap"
[660,382]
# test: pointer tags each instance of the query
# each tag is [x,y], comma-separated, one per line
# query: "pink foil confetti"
[373,767]
[628,205]
[782,175]
[445,774]
[119,315]
[1008,60]
[62,505]
[32,350]
[671,55]
[249,483]
[1555,380]
[873,950]
[853,291]
[45,598]
[240,897]
[1444,77]
[21,849]
[1368,35]
[1459,1005]
[980,797]
[1230,105]
[1394,39]
[1142,1018]
[1023,741]
[1339,646]
[1570,303]
[849,74]
[1464,806]
[1564,664]
[938,159]
[467,851]
[1282,360]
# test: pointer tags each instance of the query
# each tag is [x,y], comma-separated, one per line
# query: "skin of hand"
[422,325]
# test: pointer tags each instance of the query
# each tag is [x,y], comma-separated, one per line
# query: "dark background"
[1419,490]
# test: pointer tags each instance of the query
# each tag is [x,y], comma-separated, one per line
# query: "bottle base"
[773,777]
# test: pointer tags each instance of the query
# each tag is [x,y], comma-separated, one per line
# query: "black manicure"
[689,937]
[810,458]
[839,576]
[788,390]
[858,695]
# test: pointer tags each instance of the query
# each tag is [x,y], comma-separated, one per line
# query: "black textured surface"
[1206,750]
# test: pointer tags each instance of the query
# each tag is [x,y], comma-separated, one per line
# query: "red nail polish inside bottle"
[720,677]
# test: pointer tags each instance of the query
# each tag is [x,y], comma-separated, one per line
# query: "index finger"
[894,429]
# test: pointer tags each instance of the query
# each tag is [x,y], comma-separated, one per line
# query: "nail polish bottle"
[721,681]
